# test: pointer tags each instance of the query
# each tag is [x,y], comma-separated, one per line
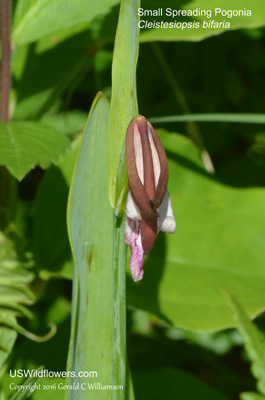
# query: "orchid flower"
[148,207]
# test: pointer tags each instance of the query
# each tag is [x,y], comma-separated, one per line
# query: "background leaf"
[27,144]
[218,244]
[175,382]
[48,16]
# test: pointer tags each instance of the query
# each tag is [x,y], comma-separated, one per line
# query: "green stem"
[119,310]
[221,117]
[192,129]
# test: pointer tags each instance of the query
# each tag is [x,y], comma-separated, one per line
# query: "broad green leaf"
[253,339]
[90,225]
[67,123]
[21,9]
[239,118]
[14,294]
[218,244]
[27,144]
[175,383]
[257,19]
[123,96]
[49,16]
[49,42]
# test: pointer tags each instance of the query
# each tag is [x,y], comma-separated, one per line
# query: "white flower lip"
[148,207]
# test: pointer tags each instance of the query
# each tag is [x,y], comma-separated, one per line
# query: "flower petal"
[155,157]
[136,170]
[132,211]
[148,234]
[133,239]
[161,185]
[166,221]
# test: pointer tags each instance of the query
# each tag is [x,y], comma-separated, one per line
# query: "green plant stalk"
[119,310]
[222,117]
[123,97]
[123,109]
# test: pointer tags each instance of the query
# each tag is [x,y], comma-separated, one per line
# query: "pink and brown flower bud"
[147,170]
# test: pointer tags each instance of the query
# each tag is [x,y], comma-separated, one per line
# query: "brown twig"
[6,58]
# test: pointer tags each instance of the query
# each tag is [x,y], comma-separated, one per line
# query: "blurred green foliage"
[56,71]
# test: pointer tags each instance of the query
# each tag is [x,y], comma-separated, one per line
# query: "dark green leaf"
[175,383]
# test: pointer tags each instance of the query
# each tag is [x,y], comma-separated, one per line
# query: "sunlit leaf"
[48,16]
